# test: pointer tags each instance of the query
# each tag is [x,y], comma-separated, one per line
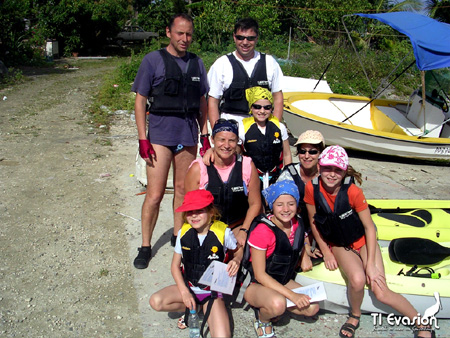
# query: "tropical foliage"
[439,9]
[313,27]
[86,25]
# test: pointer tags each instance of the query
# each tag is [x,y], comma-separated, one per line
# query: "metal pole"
[424,97]
[289,45]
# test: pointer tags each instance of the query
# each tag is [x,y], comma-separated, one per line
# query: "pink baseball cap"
[335,156]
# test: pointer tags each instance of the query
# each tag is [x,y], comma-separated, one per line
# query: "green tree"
[439,10]
[155,16]
[15,32]
[80,25]
[214,20]
[320,20]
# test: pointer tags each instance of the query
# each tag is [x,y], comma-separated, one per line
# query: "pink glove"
[204,140]
[145,149]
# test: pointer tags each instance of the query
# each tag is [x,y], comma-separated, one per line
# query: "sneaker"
[173,240]
[143,258]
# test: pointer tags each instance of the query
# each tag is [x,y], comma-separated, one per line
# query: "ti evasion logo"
[428,319]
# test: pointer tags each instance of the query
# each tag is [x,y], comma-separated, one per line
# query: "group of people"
[245,192]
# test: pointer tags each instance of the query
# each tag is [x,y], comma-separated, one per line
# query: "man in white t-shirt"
[231,74]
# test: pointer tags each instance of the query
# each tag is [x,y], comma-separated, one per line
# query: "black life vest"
[266,150]
[290,168]
[179,93]
[229,197]
[233,100]
[343,226]
[281,264]
[196,258]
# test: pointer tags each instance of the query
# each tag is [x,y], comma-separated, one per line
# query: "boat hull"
[299,118]
[337,301]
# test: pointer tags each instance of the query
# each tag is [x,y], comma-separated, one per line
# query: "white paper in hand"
[315,291]
[216,276]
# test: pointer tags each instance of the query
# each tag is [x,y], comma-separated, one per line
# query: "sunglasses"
[220,121]
[249,38]
[258,106]
[311,151]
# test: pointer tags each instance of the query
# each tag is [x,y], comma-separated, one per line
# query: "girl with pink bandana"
[343,228]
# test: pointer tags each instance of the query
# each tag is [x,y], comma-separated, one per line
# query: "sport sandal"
[424,328]
[181,324]
[259,325]
[349,328]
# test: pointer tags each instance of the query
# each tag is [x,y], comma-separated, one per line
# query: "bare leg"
[218,320]
[181,163]
[156,184]
[269,302]
[388,297]
[352,266]
[168,299]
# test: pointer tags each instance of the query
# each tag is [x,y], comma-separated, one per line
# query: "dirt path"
[65,269]
[70,225]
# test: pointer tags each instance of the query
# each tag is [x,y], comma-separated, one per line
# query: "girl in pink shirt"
[280,235]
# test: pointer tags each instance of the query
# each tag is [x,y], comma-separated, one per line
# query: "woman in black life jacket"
[232,179]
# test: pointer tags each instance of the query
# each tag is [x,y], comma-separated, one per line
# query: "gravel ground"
[70,214]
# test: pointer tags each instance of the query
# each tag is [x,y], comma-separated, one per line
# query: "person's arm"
[186,295]
[254,204]
[259,269]
[208,157]
[203,116]
[309,249]
[305,260]
[328,257]
[287,156]
[145,148]
[235,261]
[213,110]
[278,105]
[203,123]
[192,178]
[140,114]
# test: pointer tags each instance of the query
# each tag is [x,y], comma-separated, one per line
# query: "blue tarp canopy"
[430,38]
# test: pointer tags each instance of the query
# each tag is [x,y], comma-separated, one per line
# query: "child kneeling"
[201,240]
[282,238]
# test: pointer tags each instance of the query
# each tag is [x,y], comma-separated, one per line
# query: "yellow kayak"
[411,218]
[420,291]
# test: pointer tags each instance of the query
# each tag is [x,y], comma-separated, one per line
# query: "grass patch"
[103,273]
[103,142]
[13,76]
[114,93]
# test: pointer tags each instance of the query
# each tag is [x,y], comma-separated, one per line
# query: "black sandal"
[426,328]
[350,328]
